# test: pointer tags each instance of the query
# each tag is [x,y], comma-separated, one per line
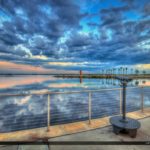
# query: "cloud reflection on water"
[7,82]
[24,112]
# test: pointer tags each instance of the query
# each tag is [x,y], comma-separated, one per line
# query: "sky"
[61,36]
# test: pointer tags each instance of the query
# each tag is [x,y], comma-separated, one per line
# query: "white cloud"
[42,57]
[144,45]
[21,47]
[85,63]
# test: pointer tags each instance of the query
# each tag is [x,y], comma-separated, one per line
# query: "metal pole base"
[132,132]
[129,125]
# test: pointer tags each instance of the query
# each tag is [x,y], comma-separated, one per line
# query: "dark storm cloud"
[8,36]
[37,24]
[129,2]
[146,10]
[39,44]
[7,49]
[11,58]
[127,36]
[116,9]
[30,7]
[64,13]
[113,15]
[67,11]
[93,24]
[119,36]
[131,31]
[79,40]
[55,29]
[142,26]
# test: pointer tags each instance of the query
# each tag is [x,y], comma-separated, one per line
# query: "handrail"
[90,105]
[66,92]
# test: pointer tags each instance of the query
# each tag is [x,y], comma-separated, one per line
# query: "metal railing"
[77,106]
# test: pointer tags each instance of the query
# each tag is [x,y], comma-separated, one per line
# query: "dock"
[66,129]
[103,76]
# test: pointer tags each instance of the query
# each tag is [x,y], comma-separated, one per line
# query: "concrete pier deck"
[65,129]
[100,134]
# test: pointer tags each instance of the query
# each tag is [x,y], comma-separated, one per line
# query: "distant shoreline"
[135,76]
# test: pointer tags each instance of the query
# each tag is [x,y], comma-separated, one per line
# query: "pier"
[67,129]
[82,133]
[103,76]
[89,123]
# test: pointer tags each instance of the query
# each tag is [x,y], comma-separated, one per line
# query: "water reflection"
[18,84]
[11,81]
[24,112]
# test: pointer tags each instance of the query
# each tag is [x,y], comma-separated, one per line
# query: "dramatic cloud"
[56,33]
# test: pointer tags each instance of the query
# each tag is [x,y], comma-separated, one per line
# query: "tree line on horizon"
[122,70]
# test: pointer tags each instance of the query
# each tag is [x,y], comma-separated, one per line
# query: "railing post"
[142,100]
[120,101]
[89,104]
[48,113]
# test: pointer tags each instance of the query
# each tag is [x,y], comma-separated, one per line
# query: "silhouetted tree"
[114,69]
[131,70]
[137,71]
[126,70]
[121,70]
[118,70]
[144,72]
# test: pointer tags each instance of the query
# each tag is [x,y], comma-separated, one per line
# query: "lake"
[26,112]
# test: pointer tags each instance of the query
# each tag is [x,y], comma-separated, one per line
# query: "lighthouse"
[80,76]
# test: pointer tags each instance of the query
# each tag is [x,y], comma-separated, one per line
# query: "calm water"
[24,112]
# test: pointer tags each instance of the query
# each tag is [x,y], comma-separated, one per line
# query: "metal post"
[48,113]
[124,101]
[142,100]
[120,101]
[89,104]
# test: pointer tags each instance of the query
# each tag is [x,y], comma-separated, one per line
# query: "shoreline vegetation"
[135,76]
[97,76]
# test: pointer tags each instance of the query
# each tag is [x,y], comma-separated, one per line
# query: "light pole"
[123,123]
